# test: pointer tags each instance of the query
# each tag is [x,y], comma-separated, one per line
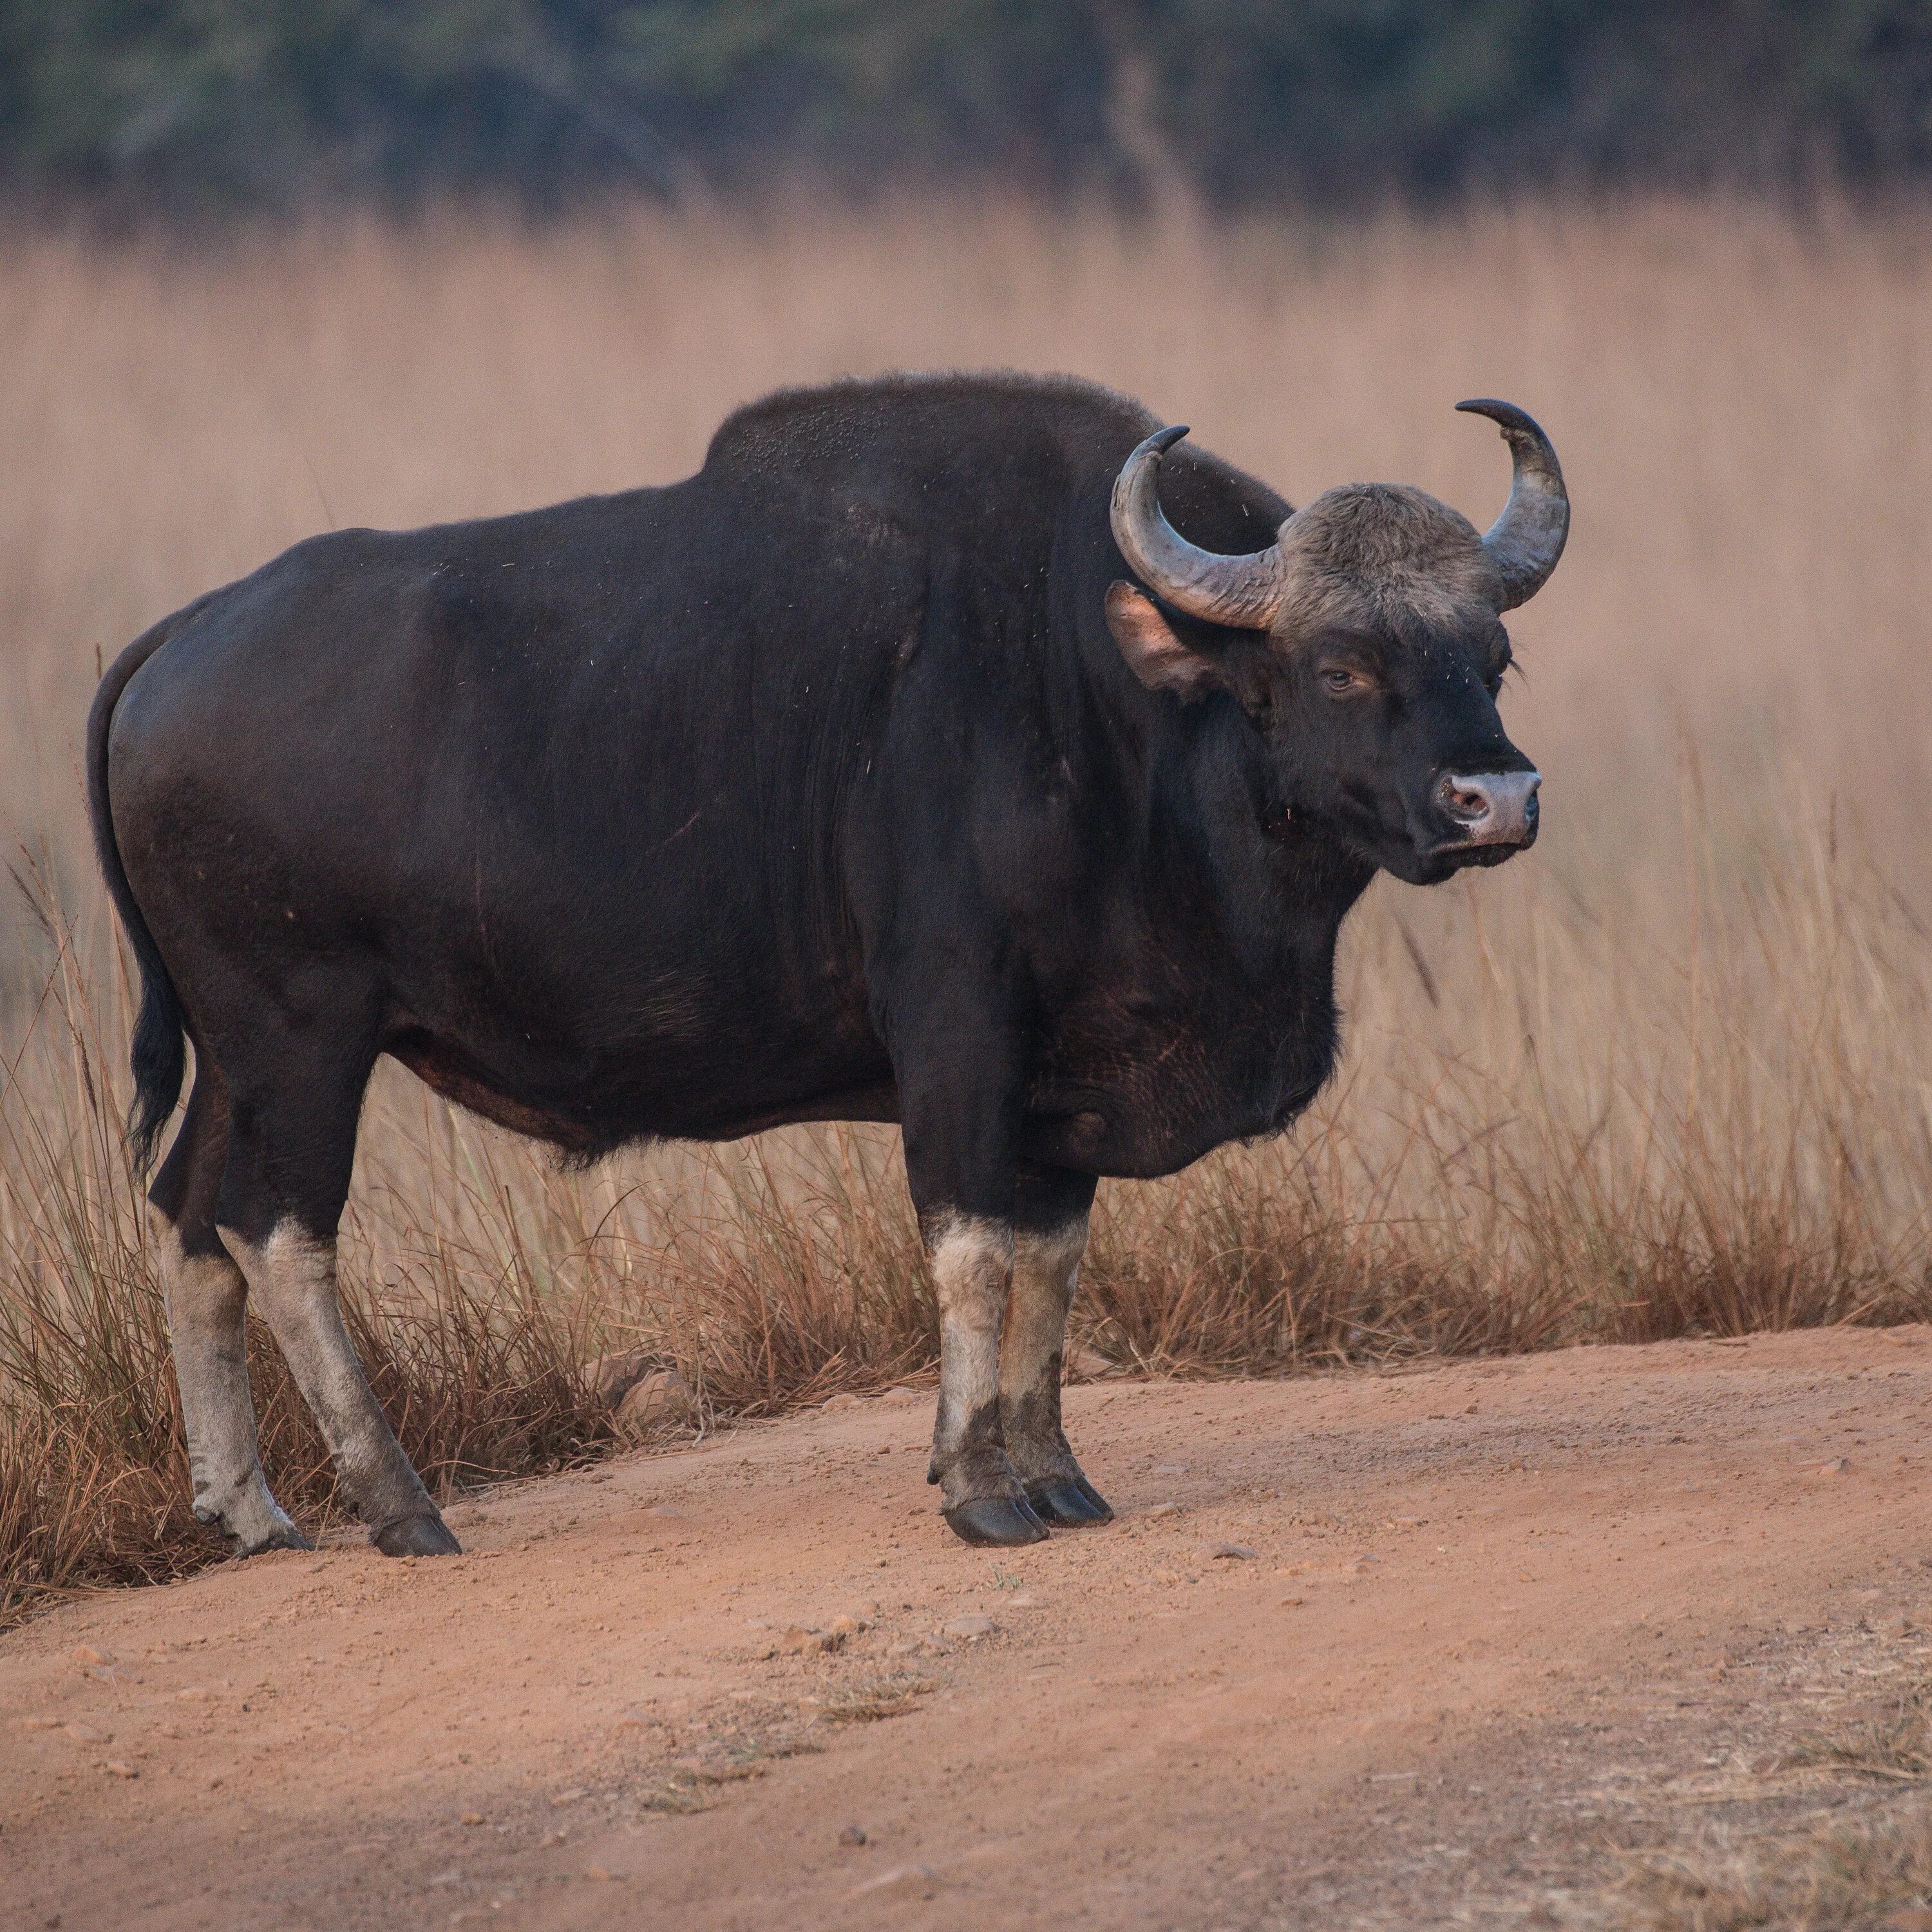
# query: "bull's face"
[1373,655]
[1390,737]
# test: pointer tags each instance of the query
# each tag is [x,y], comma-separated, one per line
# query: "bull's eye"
[1341,682]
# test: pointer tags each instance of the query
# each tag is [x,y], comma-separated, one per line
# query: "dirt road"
[1378,1649]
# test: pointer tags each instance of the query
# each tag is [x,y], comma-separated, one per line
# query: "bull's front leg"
[971,1257]
[959,1073]
[1047,1248]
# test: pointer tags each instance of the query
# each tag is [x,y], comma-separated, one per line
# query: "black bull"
[858,777]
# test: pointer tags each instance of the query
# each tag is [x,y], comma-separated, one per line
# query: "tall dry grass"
[1669,1074]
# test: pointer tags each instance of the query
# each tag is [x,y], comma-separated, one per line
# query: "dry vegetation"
[1838,1870]
[1669,1074]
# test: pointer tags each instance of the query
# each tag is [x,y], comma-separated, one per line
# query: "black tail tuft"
[160,1057]
[160,1054]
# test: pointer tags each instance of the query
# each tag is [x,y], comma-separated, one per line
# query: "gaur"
[962,751]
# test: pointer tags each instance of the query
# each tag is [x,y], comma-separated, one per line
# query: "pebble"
[611,1378]
[799,1642]
[86,1653]
[471,1818]
[1164,1509]
[195,1693]
[901,1882]
[1170,1468]
[853,1834]
[115,1768]
[656,1401]
[969,1629]
[88,1734]
[832,1404]
[1219,1552]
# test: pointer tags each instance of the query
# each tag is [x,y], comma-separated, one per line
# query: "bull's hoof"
[417,1536]
[283,1536]
[1074,1505]
[995,1522]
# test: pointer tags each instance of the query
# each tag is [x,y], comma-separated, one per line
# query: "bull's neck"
[1275,886]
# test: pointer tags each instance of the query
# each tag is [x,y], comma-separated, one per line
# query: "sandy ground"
[1375,1649]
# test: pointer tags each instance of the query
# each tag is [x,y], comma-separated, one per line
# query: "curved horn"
[1526,540]
[1244,591]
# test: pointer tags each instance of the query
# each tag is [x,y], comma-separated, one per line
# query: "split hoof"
[417,1536]
[995,1522]
[1074,1505]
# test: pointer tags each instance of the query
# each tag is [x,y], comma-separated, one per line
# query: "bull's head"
[1378,649]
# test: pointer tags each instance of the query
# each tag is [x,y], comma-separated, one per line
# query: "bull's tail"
[160,1056]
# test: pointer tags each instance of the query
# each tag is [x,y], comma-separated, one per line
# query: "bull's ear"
[1154,654]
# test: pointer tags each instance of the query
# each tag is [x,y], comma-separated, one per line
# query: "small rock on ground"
[661,1400]
[611,1378]
[901,1882]
[799,1642]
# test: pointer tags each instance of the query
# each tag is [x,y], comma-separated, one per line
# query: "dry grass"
[1893,1744]
[1827,1874]
[1870,1874]
[1669,1075]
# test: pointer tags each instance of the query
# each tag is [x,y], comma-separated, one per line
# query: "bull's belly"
[1128,1107]
[679,1092]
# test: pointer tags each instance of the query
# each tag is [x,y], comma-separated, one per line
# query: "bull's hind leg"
[292,1146]
[206,1299]
[1048,1242]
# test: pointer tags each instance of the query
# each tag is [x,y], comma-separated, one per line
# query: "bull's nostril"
[1494,809]
[1465,801]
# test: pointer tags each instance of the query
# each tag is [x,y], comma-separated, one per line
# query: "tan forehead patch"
[1366,553]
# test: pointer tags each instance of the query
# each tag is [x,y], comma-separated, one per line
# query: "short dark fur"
[813,787]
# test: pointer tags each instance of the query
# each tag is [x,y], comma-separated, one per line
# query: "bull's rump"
[541,799]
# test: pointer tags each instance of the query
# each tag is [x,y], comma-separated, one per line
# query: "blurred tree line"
[198,105]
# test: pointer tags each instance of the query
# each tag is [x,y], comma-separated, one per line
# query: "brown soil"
[1498,1619]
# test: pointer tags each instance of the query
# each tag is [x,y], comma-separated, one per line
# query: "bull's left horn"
[1525,540]
[1244,591]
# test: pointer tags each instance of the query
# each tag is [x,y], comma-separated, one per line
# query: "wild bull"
[906,764]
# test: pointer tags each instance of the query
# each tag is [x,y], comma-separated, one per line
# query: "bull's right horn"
[1525,540]
[1243,591]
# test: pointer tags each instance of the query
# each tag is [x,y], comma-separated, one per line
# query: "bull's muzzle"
[1490,808]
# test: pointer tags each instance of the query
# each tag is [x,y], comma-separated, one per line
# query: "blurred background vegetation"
[200,109]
